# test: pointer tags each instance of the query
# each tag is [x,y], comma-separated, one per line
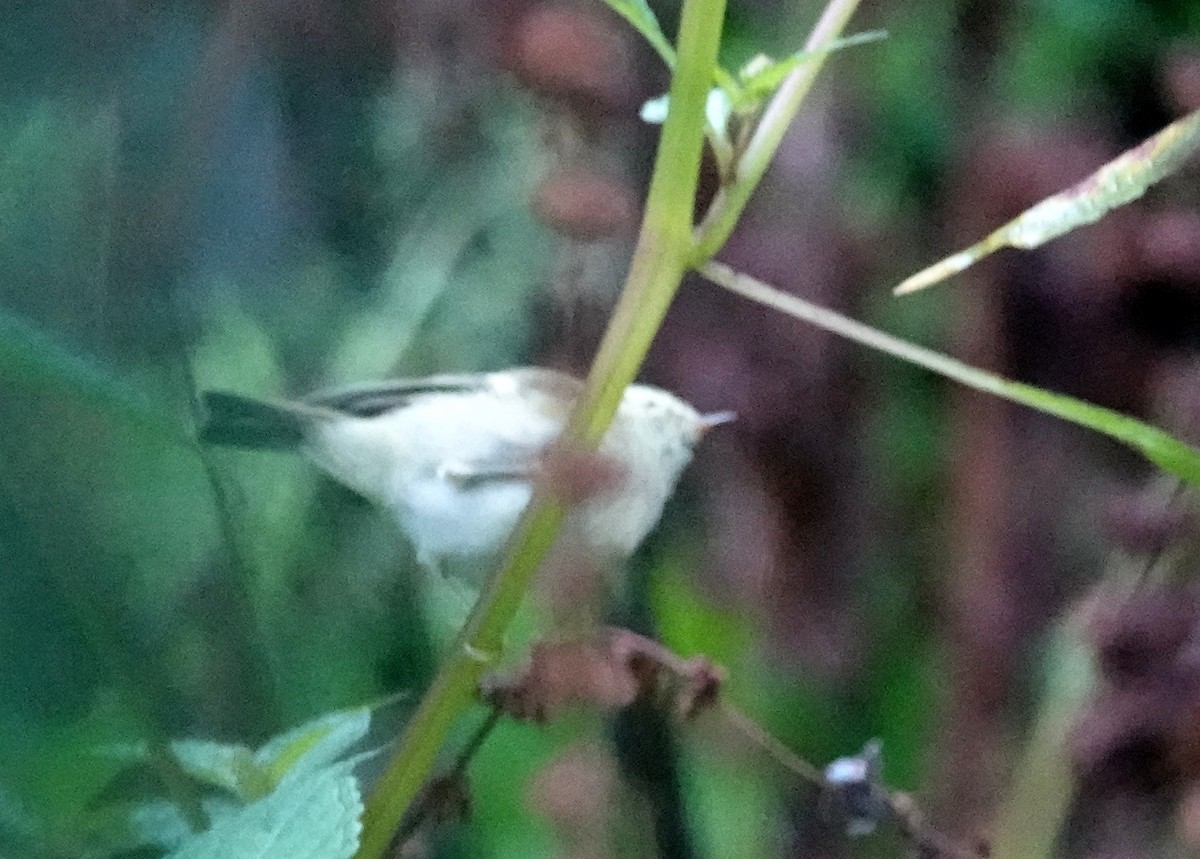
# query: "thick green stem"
[658,265]
[727,207]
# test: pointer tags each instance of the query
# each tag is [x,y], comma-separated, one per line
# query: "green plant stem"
[1039,799]
[726,208]
[658,266]
[1164,450]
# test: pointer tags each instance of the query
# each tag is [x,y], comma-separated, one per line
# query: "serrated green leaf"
[312,816]
[313,745]
[759,79]
[639,14]
[1161,448]
[251,775]
[158,823]
[227,766]
[1120,181]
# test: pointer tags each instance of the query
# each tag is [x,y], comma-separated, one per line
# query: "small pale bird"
[453,457]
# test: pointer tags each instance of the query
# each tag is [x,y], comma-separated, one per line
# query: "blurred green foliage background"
[277,197]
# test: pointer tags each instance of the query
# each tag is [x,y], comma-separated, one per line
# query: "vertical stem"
[663,249]
[1032,816]
[727,208]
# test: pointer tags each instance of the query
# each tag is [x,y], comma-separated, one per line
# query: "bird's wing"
[375,398]
[549,383]
[511,462]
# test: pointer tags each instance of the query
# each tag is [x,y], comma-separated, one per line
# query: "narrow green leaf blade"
[32,359]
[1118,182]
[764,81]
[1162,449]
[639,14]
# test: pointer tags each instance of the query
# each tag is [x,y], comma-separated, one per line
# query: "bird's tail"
[232,419]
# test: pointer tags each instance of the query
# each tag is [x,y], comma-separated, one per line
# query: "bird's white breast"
[413,460]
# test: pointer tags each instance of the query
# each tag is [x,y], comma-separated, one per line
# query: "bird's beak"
[715,419]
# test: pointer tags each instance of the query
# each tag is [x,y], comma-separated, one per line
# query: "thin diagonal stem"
[726,208]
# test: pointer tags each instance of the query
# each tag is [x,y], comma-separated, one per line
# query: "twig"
[774,747]
[447,789]
[618,667]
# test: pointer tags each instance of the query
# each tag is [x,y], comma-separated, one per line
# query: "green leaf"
[270,525]
[731,804]
[423,275]
[17,820]
[1162,449]
[314,744]
[227,766]
[759,79]
[33,360]
[235,352]
[54,774]
[639,14]
[251,775]
[1118,182]
[125,827]
[159,823]
[311,816]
